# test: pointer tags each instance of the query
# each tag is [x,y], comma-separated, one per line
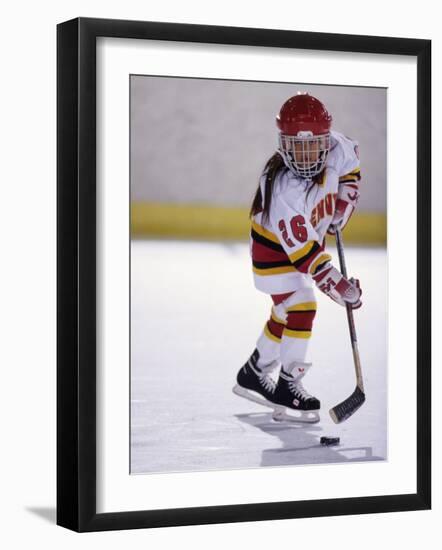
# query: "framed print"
[249,210]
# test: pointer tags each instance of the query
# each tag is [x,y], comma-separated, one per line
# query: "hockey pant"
[286,335]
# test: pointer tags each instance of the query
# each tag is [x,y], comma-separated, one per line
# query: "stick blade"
[349,406]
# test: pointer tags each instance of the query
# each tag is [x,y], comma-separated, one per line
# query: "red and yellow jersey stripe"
[351,177]
[270,258]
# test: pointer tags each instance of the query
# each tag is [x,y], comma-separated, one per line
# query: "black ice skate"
[255,383]
[292,402]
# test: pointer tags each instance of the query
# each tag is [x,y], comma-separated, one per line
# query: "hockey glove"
[343,291]
[346,202]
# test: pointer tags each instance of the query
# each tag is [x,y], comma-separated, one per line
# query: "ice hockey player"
[307,189]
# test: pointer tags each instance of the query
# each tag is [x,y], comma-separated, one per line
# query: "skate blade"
[251,396]
[282,414]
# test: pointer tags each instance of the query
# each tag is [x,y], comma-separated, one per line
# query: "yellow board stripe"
[296,333]
[274,270]
[305,306]
[271,336]
[157,220]
[367,228]
[322,258]
[265,232]
[303,252]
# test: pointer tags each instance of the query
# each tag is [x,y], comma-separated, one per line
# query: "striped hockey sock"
[298,329]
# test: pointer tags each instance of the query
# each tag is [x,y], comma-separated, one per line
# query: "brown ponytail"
[270,170]
[274,164]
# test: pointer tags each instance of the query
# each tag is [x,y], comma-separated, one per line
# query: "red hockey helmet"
[304,134]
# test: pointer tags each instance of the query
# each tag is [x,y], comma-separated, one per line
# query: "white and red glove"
[345,205]
[344,291]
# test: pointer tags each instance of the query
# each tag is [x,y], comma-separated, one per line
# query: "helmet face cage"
[305,154]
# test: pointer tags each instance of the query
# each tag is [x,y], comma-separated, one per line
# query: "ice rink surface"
[195,319]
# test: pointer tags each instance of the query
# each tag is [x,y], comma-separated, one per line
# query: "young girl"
[308,188]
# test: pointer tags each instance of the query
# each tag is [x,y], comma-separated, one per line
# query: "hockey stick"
[349,406]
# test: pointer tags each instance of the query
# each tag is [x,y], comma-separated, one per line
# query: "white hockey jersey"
[288,248]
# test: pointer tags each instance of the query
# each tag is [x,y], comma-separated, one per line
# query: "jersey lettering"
[297,224]
[285,235]
[298,228]
[324,207]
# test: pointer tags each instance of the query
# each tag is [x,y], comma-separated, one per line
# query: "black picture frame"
[77,287]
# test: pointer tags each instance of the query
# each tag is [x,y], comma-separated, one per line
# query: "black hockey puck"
[327,441]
